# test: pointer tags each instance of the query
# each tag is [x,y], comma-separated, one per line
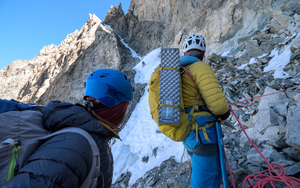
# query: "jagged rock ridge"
[224,24]
[58,72]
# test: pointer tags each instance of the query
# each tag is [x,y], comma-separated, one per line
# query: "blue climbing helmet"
[108,86]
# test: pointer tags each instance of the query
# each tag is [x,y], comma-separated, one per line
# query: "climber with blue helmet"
[201,90]
[67,160]
[107,94]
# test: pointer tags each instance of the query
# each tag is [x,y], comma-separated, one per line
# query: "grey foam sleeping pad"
[169,87]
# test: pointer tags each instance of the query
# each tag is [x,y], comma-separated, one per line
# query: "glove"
[226,115]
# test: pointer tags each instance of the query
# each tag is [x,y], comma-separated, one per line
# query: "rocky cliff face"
[58,72]
[237,32]
[224,24]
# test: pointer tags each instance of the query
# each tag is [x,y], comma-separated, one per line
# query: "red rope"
[187,73]
[231,177]
[262,178]
[247,104]
[257,99]
[259,96]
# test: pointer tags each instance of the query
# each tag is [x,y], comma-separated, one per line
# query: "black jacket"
[65,160]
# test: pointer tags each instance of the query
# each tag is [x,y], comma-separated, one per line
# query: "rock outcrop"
[58,72]
[222,23]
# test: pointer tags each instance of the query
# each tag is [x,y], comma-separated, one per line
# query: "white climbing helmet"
[194,41]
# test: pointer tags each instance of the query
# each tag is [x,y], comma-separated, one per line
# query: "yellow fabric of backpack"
[176,133]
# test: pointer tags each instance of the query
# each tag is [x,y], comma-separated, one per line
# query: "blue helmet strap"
[92,105]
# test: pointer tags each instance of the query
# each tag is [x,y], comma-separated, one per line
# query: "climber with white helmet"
[202,94]
[194,45]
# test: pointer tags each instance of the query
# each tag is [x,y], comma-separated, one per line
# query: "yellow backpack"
[174,132]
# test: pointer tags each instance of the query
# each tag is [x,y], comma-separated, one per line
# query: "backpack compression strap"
[14,155]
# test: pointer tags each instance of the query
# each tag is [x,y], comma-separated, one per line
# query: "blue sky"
[28,26]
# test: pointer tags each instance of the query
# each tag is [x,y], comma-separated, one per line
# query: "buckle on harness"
[223,122]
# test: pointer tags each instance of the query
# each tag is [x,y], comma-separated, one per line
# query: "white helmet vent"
[194,41]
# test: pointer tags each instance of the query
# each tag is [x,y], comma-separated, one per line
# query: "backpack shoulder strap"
[195,106]
[92,178]
[188,73]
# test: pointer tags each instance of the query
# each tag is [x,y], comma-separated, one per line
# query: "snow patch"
[139,137]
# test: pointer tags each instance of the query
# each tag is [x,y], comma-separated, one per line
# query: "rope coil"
[262,178]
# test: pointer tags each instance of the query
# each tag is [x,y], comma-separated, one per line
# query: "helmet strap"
[92,105]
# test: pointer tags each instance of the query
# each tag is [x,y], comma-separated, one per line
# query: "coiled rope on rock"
[270,175]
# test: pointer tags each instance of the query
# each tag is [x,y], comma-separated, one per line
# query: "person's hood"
[186,60]
[58,115]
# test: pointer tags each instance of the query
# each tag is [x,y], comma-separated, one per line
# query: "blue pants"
[206,170]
